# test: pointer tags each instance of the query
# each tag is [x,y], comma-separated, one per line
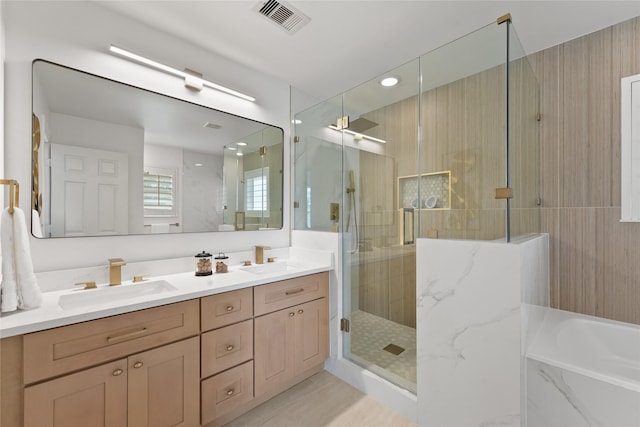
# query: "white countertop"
[189,286]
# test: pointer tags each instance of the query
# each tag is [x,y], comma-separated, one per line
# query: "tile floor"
[321,400]
[370,334]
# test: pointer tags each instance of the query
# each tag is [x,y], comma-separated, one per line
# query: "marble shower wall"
[469,316]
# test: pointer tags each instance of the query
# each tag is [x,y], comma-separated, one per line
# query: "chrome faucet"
[260,253]
[115,271]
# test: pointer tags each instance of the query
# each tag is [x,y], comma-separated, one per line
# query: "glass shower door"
[380,224]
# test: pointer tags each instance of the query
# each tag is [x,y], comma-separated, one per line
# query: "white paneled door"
[89,191]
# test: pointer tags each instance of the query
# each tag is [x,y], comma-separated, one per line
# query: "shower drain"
[394,349]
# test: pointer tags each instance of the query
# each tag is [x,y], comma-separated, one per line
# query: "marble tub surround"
[469,297]
[179,273]
[561,398]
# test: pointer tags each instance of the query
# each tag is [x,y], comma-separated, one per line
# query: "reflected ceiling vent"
[283,15]
[211,125]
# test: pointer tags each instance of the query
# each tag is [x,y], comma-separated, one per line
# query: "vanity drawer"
[70,348]
[226,347]
[226,308]
[226,391]
[286,293]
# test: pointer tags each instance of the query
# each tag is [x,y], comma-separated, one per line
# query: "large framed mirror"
[113,159]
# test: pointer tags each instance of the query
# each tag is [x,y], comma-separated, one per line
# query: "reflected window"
[159,192]
[257,192]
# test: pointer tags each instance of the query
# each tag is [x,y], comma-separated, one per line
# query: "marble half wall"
[469,299]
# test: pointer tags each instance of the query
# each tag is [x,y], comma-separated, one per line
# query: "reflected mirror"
[113,159]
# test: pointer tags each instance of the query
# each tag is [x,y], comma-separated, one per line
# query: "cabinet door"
[311,334]
[93,397]
[164,386]
[274,335]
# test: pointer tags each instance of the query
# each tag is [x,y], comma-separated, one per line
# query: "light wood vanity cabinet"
[155,387]
[289,330]
[290,342]
[203,361]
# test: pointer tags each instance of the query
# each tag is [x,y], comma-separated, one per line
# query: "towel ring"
[14,193]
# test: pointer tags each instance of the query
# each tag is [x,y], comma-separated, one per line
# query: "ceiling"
[349,42]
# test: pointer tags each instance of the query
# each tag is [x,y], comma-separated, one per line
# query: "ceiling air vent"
[283,15]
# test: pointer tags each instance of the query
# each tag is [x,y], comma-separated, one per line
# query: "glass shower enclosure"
[449,152]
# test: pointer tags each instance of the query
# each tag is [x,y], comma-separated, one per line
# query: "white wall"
[78,34]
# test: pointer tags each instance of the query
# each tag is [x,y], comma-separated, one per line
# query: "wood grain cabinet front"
[226,347]
[70,348]
[226,391]
[157,388]
[226,308]
[290,342]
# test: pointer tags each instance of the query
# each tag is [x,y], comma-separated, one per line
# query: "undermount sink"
[108,294]
[272,267]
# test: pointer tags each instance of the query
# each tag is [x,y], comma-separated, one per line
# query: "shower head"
[361,124]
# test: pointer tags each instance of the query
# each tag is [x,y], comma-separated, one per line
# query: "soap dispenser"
[203,264]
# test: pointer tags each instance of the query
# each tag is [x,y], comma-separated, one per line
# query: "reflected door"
[89,192]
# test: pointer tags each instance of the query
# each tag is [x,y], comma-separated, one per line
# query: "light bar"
[189,77]
[356,134]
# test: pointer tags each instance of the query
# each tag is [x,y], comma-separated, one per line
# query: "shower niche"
[428,191]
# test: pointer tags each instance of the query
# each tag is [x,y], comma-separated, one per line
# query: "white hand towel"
[29,295]
[36,225]
[19,286]
[8,285]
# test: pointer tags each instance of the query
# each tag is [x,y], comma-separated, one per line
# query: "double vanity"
[174,350]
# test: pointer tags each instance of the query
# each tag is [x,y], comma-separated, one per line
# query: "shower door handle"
[408,236]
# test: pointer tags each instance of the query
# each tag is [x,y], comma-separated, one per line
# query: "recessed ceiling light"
[198,165]
[389,81]
[241,144]
[239,153]
[231,148]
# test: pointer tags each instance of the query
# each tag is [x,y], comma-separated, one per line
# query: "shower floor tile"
[370,335]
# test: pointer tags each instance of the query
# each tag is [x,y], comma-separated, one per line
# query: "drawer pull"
[117,372]
[300,311]
[229,347]
[292,314]
[229,308]
[127,335]
[295,291]
[138,365]
[230,392]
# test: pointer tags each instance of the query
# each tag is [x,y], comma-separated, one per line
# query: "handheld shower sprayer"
[351,195]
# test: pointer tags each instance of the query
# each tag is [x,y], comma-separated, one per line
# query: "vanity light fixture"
[389,81]
[358,136]
[193,80]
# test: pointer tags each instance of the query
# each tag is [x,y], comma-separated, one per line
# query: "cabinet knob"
[229,347]
[229,308]
[117,372]
[230,392]
[137,365]
[300,311]
[292,314]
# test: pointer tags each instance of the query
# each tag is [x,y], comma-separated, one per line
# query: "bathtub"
[583,371]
